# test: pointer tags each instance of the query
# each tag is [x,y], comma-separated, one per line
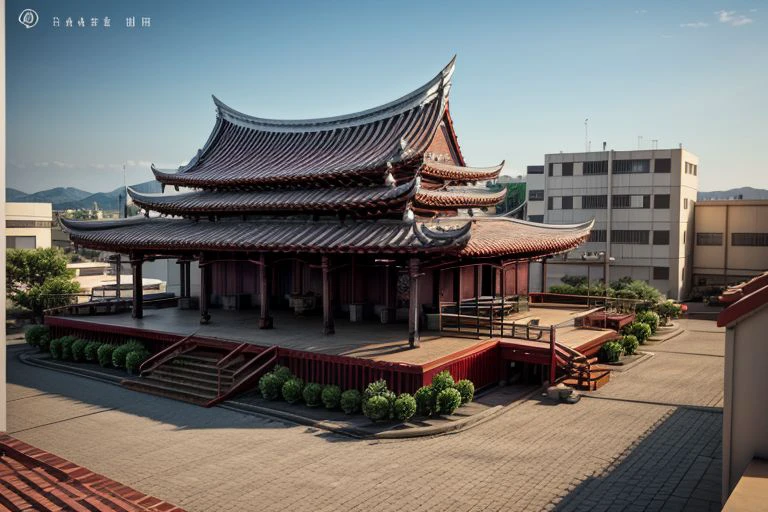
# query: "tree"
[36,278]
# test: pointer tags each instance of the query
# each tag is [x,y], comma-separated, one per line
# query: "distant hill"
[74,198]
[744,192]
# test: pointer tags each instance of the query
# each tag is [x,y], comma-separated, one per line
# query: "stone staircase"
[191,377]
[587,376]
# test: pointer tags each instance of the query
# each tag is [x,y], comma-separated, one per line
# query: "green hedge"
[270,386]
[425,401]
[135,359]
[448,400]
[466,389]
[292,390]
[377,408]
[37,335]
[405,407]
[639,330]
[104,354]
[331,397]
[78,350]
[611,351]
[351,401]
[651,318]
[90,352]
[312,394]
[629,344]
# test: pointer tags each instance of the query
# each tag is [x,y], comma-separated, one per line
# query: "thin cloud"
[732,19]
[640,11]
[695,24]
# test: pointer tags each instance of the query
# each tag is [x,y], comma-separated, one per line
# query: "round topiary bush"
[78,350]
[312,394]
[292,390]
[375,388]
[282,373]
[35,334]
[377,408]
[134,359]
[651,318]
[90,352]
[639,330]
[611,351]
[351,400]
[66,347]
[448,400]
[55,348]
[629,343]
[405,407]
[441,381]
[120,353]
[270,386]
[331,397]
[425,401]
[104,354]
[466,389]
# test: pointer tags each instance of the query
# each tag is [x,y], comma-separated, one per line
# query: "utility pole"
[586,135]
[125,195]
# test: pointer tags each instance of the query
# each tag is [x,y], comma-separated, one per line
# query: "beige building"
[731,241]
[28,225]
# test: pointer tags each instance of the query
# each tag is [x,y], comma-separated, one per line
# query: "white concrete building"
[28,225]
[642,202]
[534,185]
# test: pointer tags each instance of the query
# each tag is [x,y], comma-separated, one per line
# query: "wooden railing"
[247,374]
[225,362]
[182,346]
[611,304]
[487,316]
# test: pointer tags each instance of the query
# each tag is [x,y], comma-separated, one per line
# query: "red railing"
[249,373]
[182,346]
[225,362]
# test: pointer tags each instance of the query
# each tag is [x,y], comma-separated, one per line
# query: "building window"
[685,237]
[661,273]
[621,201]
[750,239]
[685,203]
[592,168]
[567,168]
[550,203]
[536,218]
[535,169]
[20,242]
[535,195]
[551,169]
[709,239]
[594,202]
[695,170]
[661,201]
[661,237]
[597,235]
[631,166]
[567,203]
[663,165]
[45,224]
[630,236]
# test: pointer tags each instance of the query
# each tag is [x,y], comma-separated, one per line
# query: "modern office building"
[28,225]
[642,202]
[534,181]
[731,241]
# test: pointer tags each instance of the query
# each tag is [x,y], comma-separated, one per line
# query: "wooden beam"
[413,304]
[138,290]
[265,290]
[328,327]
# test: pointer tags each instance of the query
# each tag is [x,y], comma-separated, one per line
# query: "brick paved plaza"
[649,440]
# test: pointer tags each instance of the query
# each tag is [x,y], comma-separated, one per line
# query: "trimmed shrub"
[78,350]
[405,407]
[466,389]
[639,330]
[119,355]
[66,347]
[651,318]
[629,343]
[270,386]
[448,400]
[377,408]
[351,400]
[331,397]
[375,388]
[282,373]
[611,351]
[104,354]
[312,394]
[55,348]
[134,359]
[44,343]
[35,334]
[668,310]
[292,390]
[441,381]
[425,401]
[90,352]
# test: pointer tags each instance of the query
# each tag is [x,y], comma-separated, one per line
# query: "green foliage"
[121,352]
[282,373]
[90,352]
[377,408]
[447,401]
[104,354]
[270,386]
[78,350]
[629,344]
[668,310]
[574,280]
[404,407]
[351,400]
[611,351]
[55,348]
[651,318]
[33,276]
[425,401]
[312,394]
[627,288]
[135,359]
[375,388]
[35,334]
[331,397]
[66,347]
[639,330]
[44,343]
[441,381]
[292,390]
[466,389]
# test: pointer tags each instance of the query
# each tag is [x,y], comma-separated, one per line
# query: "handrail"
[167,354]
[271,358]
[226,360]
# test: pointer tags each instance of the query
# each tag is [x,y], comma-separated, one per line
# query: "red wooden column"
[413,305]
[552,356]
[138,290]
[182,278]
[328,327]
[205,289]
[265,320]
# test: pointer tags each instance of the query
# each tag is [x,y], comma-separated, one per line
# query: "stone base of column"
[388,315]
[266,323]
[205,319]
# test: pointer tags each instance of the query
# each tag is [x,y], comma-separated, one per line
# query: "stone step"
[203,388]
[168,391]
[184,375]
[195,371]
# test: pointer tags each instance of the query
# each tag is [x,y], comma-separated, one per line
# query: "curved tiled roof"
[247,151]
[449,172]
[361,200]
[453,198]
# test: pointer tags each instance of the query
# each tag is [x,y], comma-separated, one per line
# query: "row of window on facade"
[737,239]
[600,201]
[631,236]
[691,168]
[597,167]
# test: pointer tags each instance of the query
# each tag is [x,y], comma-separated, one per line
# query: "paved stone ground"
[649,440]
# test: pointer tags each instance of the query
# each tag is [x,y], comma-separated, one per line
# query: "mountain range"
[734,193]
[66,198]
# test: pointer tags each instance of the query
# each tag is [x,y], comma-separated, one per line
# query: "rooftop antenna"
[586,135]
[639,141]
[654,143]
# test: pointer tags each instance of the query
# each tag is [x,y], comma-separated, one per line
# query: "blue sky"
[82,101]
